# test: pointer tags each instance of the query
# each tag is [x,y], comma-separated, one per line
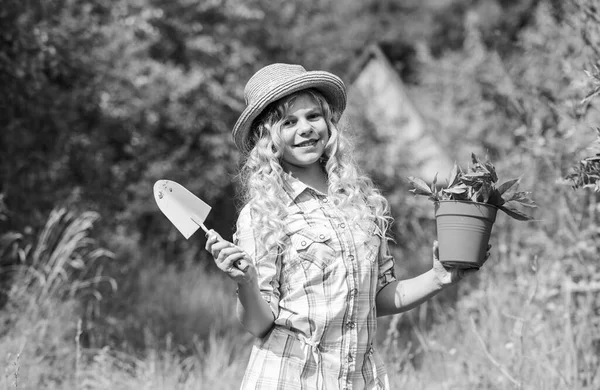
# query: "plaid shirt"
[322,293]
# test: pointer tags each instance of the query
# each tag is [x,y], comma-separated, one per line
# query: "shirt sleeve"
[268,265]
[387,272]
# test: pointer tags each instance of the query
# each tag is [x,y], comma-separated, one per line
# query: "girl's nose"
[304,127]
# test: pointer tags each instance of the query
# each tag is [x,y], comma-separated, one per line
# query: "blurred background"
[99,99]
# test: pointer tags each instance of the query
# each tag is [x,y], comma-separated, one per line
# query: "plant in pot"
[465,210]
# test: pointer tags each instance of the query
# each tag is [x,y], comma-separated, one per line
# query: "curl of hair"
[353,193]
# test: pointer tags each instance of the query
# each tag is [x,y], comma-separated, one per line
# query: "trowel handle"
[241,264]
[200,224]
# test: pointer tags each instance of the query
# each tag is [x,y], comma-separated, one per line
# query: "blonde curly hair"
[261,176]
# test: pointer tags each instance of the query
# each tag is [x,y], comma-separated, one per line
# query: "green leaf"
[477,175]
[486,189]
[527,203]
[492,170]
[460,189]
[496,198]
[516,214]
[470,181]
[420,187]
[507,185]
[453,175]
[523,199]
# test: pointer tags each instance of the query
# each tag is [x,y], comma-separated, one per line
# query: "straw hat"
[275,81]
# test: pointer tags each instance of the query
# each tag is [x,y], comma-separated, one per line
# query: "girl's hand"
[227,257]
[448,276]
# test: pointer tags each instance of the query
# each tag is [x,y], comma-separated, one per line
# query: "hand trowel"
[185,210]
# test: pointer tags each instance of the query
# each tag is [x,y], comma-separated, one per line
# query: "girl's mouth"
[310,142]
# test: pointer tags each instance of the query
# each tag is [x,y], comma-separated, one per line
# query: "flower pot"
[463,231]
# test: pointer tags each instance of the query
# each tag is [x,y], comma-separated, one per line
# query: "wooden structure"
[377,94]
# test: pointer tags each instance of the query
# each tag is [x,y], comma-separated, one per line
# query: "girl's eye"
[314,116]
[287,123]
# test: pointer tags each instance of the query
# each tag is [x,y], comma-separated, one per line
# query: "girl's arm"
[253,311]
[401,295]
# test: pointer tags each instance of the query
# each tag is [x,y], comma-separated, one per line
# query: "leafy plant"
[587,173]
[478,184]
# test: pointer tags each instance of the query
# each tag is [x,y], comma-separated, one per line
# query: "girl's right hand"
[230,258]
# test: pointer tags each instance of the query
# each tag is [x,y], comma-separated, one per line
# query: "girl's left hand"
[448,276]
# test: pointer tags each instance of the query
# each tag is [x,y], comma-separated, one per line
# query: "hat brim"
[331,86]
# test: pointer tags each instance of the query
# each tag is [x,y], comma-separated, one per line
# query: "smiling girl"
[314,231]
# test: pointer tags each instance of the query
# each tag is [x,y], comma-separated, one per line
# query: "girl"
[310,257]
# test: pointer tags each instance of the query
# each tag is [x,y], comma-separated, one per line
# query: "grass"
[52,331]
[504,332]
[214,364]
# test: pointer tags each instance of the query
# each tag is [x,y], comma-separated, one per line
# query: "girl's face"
[304,132]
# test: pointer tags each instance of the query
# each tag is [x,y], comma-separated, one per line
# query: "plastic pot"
[463,231]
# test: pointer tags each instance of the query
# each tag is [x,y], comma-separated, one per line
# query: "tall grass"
[491,340]
[50,278]
[216,363]
[183,315]
[504,331]
[60,262]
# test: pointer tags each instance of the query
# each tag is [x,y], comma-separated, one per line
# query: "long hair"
[261,176]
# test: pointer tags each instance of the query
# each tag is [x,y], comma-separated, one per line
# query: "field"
[98,291]
[514,325]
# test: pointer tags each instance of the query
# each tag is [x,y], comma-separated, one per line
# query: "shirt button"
[351,325]
[342,225]
[349,357]
[303,243]
[325,200]
[321,236]
[350,257]
[354,291]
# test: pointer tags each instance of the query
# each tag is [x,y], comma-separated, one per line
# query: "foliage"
[478,184]
[586,174]
[63,262]
[99,99]
[56,281]
[48,91]
[212,364]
